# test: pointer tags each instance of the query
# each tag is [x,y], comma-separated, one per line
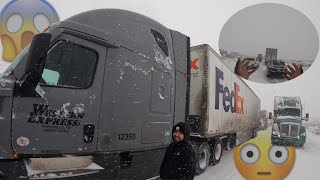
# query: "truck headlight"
[303,134]
[275,133]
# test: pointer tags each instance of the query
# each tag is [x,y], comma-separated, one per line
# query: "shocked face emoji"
[20,20]
[258,159]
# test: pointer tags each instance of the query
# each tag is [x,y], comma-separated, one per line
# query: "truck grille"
[289,130]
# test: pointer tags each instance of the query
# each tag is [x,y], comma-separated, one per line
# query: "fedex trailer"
[223,111]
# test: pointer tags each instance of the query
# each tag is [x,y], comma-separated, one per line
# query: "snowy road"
[306,164]
[260,74]
[307,159]
[225,170]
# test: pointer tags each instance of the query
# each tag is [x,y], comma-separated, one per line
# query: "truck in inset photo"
[275,67]
[263,120]
[271,54]
[287,128]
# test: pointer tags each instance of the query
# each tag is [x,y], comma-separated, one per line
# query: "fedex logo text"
[231,100]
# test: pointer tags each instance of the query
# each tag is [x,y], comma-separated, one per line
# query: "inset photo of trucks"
[272,49]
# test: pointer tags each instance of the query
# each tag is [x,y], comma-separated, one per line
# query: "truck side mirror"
[270,115]
[307,117]
[36,54]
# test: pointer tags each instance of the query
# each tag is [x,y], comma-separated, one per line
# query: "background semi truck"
[271,54]
[97,95]
[264,124]
[287,128]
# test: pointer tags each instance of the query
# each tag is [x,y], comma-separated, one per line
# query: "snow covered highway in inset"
[305,167]
[260,76]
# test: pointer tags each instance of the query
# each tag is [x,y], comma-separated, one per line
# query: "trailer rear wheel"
[203,157]
[229,142]
[216,152]
[233,140]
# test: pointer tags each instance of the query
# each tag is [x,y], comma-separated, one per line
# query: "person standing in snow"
[179,160]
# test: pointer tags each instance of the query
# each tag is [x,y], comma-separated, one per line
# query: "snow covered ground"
[306,164]
[260,75]
[308,157]
[225,170]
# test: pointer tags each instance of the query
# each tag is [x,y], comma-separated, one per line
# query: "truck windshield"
[278,63]
[288,112]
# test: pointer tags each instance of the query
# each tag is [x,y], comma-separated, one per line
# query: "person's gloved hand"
[293,72]
[243,69]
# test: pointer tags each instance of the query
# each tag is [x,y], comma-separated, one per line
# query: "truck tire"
[216,152]
[254,134]
[202,158]
[300,145]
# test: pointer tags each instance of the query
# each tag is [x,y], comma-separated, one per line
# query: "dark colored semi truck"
[97,96]
[287,128]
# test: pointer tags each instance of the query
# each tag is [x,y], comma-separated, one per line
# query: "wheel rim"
[217,152]
[203,159]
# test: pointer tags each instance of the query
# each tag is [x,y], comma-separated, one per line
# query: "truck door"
[63,116]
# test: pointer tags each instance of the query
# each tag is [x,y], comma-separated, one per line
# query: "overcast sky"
[202,21]
[253,29]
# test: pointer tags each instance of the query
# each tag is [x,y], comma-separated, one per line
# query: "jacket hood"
[184,128]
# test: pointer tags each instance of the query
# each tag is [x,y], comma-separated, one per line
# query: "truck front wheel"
[203,157]
[216,152]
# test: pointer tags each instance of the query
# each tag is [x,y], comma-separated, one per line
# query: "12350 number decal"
[127,136]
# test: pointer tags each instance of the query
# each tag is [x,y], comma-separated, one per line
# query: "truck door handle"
[88,133]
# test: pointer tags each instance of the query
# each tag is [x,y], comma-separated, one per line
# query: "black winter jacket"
[179,159]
